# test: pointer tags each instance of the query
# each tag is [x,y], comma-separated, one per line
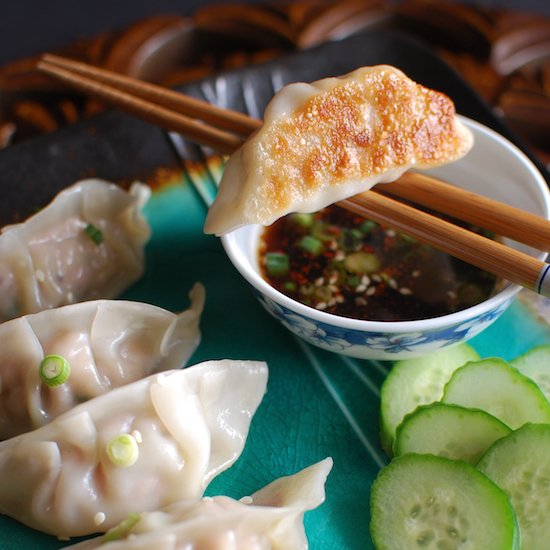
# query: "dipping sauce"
[341,263]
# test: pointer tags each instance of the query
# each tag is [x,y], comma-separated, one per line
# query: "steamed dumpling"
[183,427]
[271,518]
[88,243]
[108,343]
[331,139]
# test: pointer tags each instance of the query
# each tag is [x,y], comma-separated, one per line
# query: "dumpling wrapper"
[190,425]
[51,260]
[271,518]
[108,343]
[329,140]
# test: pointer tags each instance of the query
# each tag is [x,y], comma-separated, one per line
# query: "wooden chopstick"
[172,111]
[502,219]
[196,130]
[487,254]
[225,119]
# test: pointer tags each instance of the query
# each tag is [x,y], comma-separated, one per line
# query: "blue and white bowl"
[495,168]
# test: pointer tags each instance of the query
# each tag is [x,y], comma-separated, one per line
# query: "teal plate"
[318,404]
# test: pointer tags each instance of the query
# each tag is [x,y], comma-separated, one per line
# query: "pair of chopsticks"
[225,130]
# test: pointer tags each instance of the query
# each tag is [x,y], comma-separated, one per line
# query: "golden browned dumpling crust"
[333,138]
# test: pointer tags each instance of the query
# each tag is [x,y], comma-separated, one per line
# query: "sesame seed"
[361,288]
[416,273]
[40,276]
[246,500]
[319,282]
[390,232]
[405,291]
[370,291]
[365,279]
[360,301]
[393,283]
[321,305]
[99,518]
[136,434]
[376,278]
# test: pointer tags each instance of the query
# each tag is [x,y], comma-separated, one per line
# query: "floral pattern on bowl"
[380,345]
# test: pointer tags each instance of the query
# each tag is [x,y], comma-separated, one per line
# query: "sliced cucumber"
[448,430]
[536,365]
[414,382]
[427,501]
[520,465]
[493,385]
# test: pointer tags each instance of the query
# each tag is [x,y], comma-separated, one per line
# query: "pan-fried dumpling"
[107,343]
[334,138]
[88,243]
[139,447]
[271,518]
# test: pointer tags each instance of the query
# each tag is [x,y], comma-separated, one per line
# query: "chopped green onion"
[277,264]
[362,262]
[311,244]
[305,220]
[94,233]
[123,450]
[54,370]
[367,226]
[121,530]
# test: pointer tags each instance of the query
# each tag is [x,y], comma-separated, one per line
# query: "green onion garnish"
[300,218]
[277,264]
[367,226]
[123,450]
[290,286]
[362,263]
[94,233]
[311,244]
[54,370]
[121,530]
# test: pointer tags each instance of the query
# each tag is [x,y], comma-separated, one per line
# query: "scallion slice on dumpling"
[331,139]
[188,426]
[104,343]
[88,243]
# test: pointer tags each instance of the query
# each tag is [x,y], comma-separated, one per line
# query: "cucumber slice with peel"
[520,465]
[448,430]
[536,365]
[496,387]
[414,382]
[426,501]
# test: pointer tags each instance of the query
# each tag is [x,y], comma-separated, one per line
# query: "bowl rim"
[239,260]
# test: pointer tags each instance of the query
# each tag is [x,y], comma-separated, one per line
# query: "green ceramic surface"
[318,404]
